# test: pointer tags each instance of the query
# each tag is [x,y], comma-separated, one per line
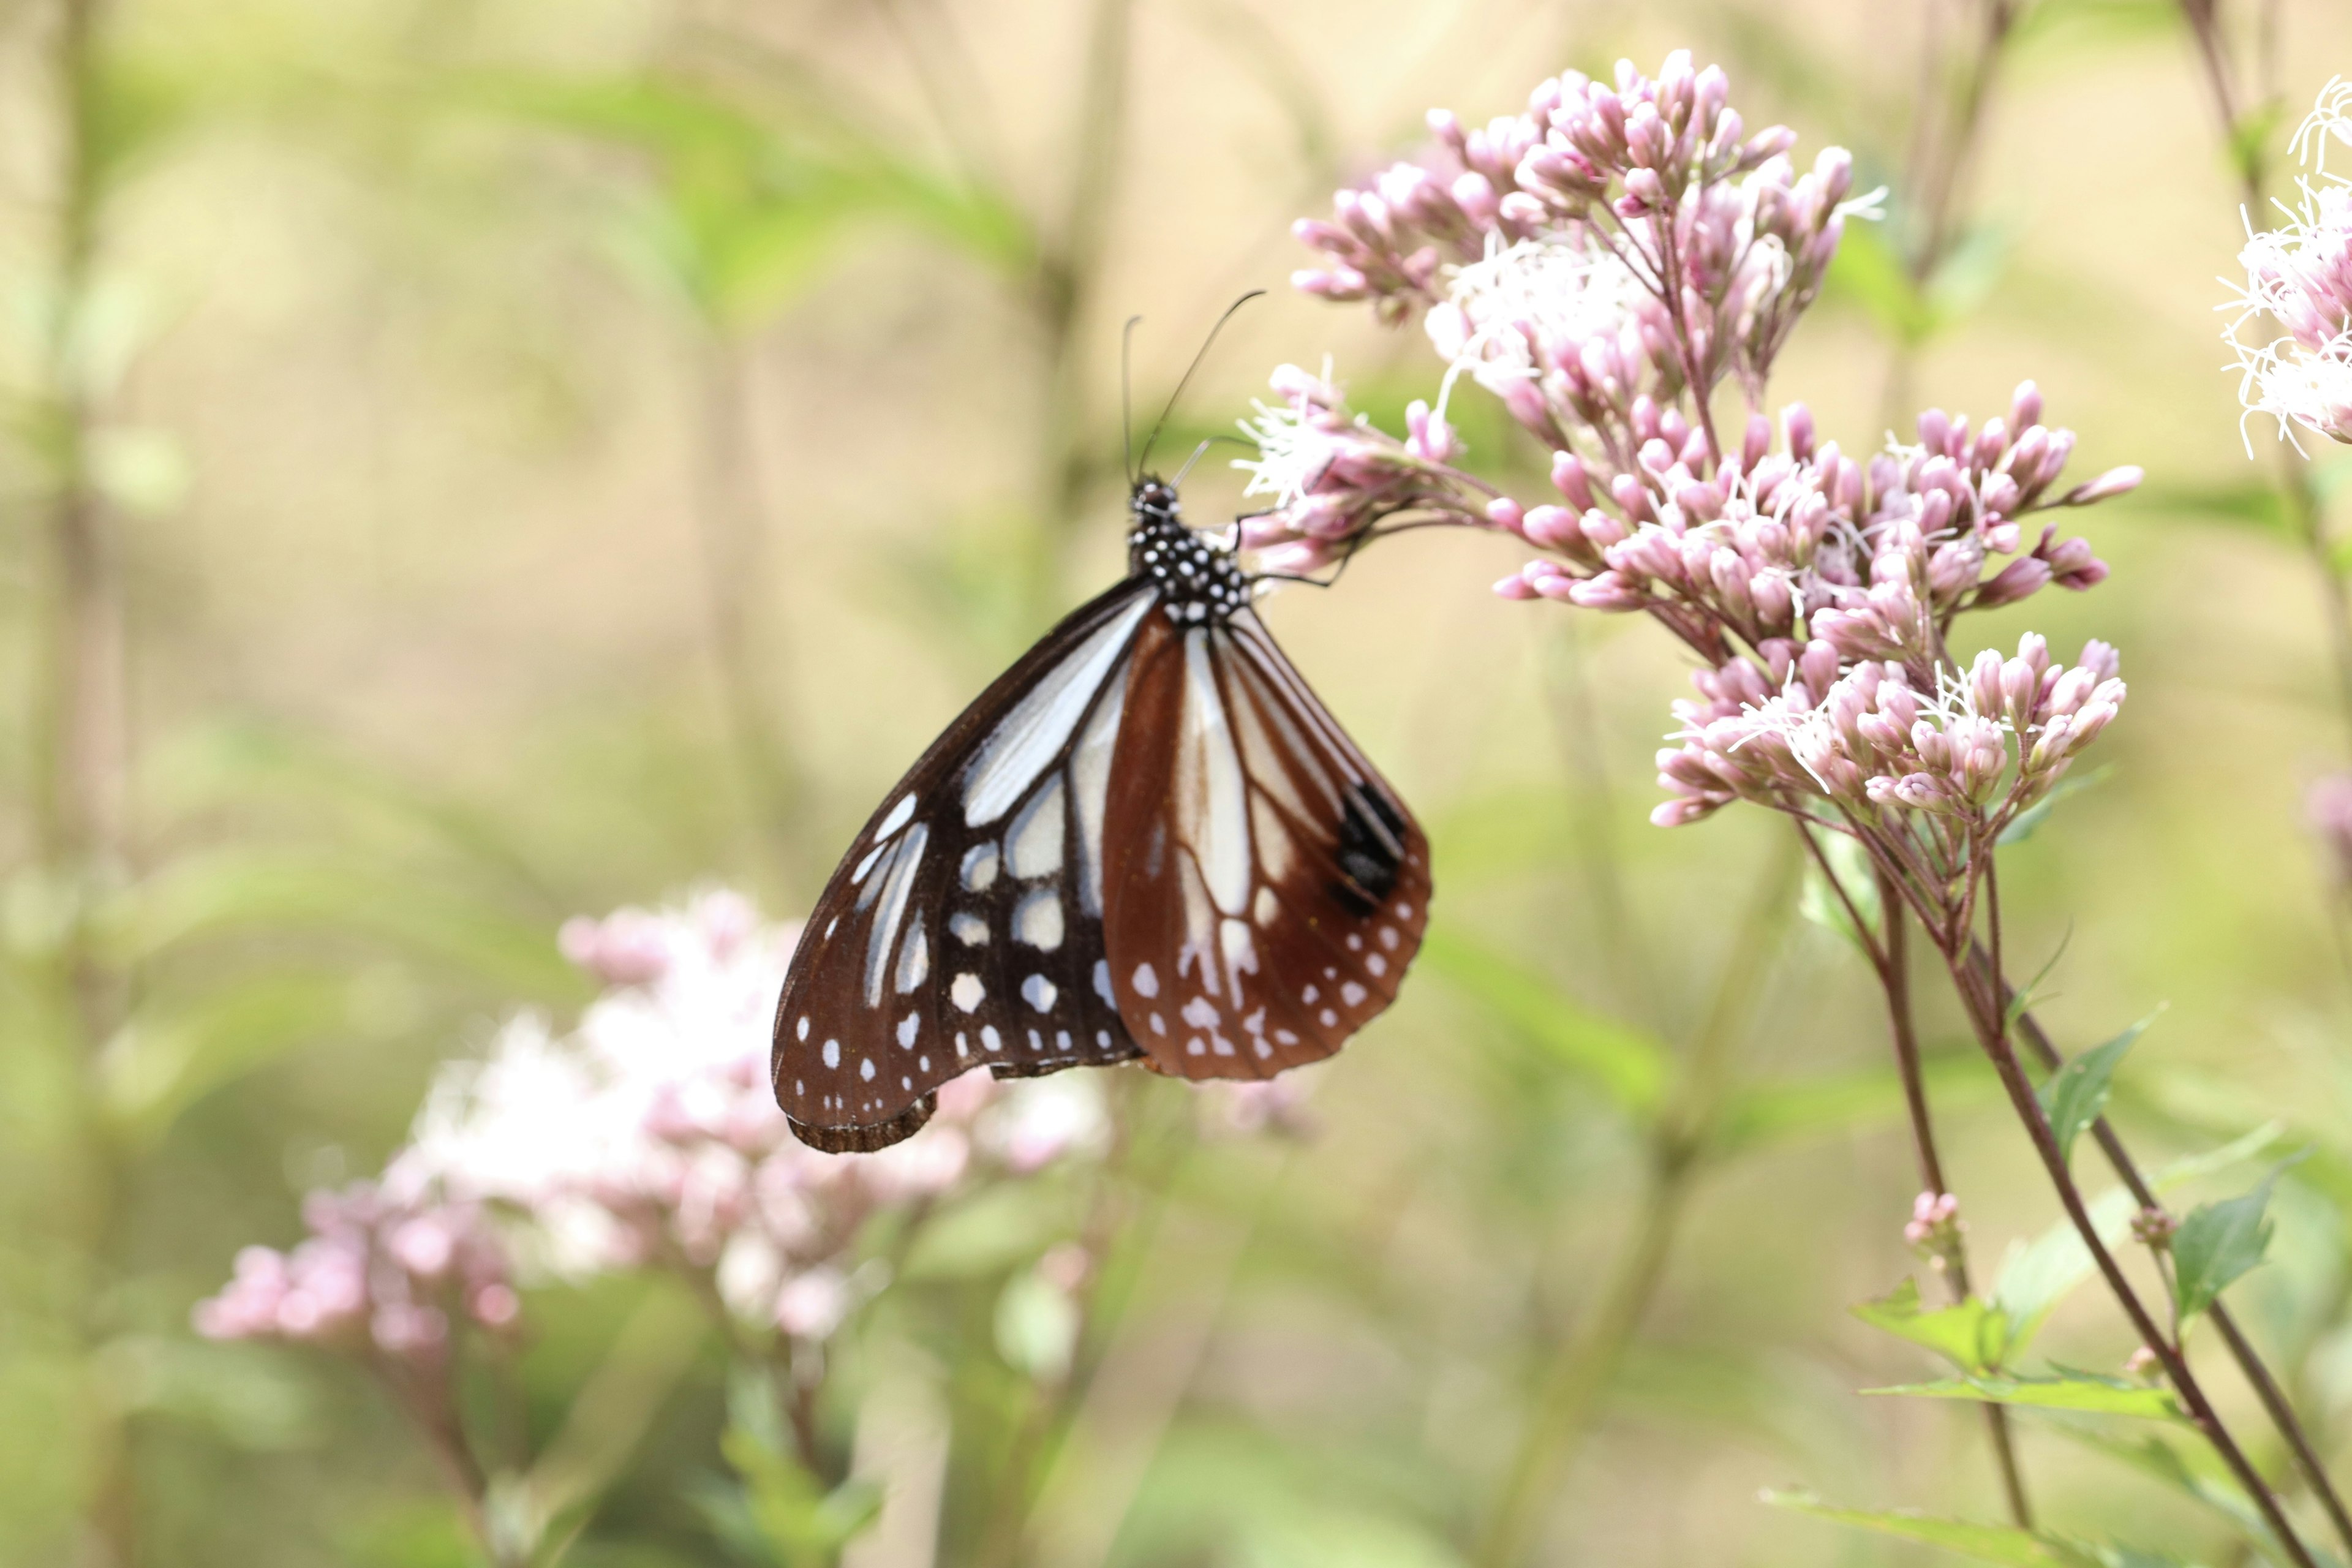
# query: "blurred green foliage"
[423,361]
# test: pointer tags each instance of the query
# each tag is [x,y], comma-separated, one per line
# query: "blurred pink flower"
[649,1135]
[2328,805]
[376,1275]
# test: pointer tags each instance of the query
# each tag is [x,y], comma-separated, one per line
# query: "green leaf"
[2066,1390]
[1822,1103]
[2029,994]
[1036,1326]
[1819,902]
[2150,1454]
[2254,503]
[2076,1094]
[240,891]
[2035,1277]
[2027,823]
[1972,1334]
[1984,1542]
[173,1051]
[2219,1243]
[1631,1066]
[1867,271]
[744,203]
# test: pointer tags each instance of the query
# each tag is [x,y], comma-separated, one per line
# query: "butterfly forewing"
[1268,887]
[964,927]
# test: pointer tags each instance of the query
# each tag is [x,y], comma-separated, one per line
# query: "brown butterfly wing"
[964,926]
[1266,886]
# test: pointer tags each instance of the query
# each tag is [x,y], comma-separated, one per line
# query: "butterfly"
[1146,840]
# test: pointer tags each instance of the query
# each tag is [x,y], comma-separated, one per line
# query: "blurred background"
[473,462]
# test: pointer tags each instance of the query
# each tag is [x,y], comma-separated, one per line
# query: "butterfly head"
[1198,579]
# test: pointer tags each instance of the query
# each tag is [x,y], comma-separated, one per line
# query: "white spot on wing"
[1034,848]
[979,866]
[1212,792]
[1262,909]
[907,1027]
[896,887]
[1352,993]
[1037,920]
[865,1070]
[914,958]
[967,993]
[833,1053]
[802,1030]
[901,814]
[1201,1012]
[1026,740]
[969,927]
[991,1038]
[1091,783]
[1102,982]
[1147,983]
[1039,993]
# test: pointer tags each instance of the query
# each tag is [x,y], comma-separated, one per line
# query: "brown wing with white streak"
[1264,888]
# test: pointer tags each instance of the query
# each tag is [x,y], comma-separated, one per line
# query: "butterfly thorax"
[1198,579]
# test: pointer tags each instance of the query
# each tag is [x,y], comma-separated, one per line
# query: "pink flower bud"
[2114,482]
[2020,579]
[1570,478]
[1552,527]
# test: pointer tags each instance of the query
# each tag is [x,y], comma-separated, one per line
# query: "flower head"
[376,1275]
[2298,369]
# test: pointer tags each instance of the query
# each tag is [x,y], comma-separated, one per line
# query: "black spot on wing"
[1371,851]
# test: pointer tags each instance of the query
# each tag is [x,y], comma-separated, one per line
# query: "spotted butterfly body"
[1145,839]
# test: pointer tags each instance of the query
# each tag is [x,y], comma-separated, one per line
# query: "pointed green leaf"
[2026,823]
[2066,1390]
[2034,1277]
[2219,1243]
[1984,1542]
[1972,1334]
[1631,1065]
[2076,1094]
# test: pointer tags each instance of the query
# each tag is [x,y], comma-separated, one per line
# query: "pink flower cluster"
[1936,1224]
[1333,476]
[376,1275]
[1604,264]
[645,1136]
[1979,749]
[1762,546]
[649,1135]
[1648,192]
[2299,279]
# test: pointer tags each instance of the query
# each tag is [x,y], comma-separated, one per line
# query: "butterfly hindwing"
[964,926]
[1269,887]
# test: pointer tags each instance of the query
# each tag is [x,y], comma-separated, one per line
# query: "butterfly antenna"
[1161,423]
[1126,399]
[1198,452]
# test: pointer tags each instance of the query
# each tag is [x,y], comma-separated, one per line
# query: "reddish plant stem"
[1986,1009]
[2266,1387]
[1890,960]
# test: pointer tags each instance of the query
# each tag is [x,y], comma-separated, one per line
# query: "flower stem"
[2275,1403]
[1889,957]
[1986,1009]
[1586,1362]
